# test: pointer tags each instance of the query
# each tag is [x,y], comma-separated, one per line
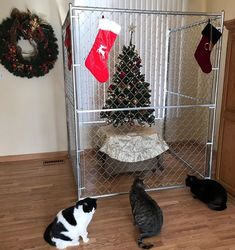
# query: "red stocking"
[96,61]
[210,36]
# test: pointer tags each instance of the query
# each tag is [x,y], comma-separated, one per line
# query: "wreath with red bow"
[27,26]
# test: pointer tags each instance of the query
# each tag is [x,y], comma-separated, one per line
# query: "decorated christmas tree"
[128,90]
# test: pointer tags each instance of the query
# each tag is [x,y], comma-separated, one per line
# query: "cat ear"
[137,179]
[79,203]
[141,181]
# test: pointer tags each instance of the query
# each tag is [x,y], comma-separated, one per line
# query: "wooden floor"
[104,175]
[31,194]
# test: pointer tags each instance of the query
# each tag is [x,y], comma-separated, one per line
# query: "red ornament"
[138,62]
[122,75]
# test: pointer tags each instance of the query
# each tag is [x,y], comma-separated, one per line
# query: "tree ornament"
[135,101]
[111,86]
[138,62]
[131,30]
[122,75]
[40,35]
[96,61]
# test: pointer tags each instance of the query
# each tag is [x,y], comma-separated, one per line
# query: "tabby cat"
[70,224]
[147,214]
[208,191]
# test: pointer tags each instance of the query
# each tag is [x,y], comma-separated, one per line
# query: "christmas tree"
[128,90]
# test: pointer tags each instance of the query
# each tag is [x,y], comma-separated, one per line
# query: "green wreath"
[27,26]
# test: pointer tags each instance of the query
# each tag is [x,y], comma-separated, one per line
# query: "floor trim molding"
[35,156]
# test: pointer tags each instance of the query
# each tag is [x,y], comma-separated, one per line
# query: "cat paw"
[86,240]
[75,244]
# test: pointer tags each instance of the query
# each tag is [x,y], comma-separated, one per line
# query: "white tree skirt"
[131,143]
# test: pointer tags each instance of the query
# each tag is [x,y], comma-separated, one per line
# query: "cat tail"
[217,207]
[47,235]
[142,244]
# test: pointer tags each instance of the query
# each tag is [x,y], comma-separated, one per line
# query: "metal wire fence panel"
[187,138]
[186,81]
[70,111]
[168,92]
[71,135]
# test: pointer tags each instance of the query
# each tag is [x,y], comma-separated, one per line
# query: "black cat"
[147,214]
[208,191]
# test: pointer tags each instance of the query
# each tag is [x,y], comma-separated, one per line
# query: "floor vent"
[53,162]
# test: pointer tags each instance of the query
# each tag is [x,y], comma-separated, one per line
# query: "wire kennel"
[183,99]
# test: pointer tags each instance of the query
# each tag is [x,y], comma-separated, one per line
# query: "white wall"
[226,5]
[194,5]
[32,111]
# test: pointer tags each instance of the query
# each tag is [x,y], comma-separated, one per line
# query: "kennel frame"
[74,148]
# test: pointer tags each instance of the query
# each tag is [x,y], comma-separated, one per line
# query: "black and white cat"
[208,191]
[70,224]
[147,214]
